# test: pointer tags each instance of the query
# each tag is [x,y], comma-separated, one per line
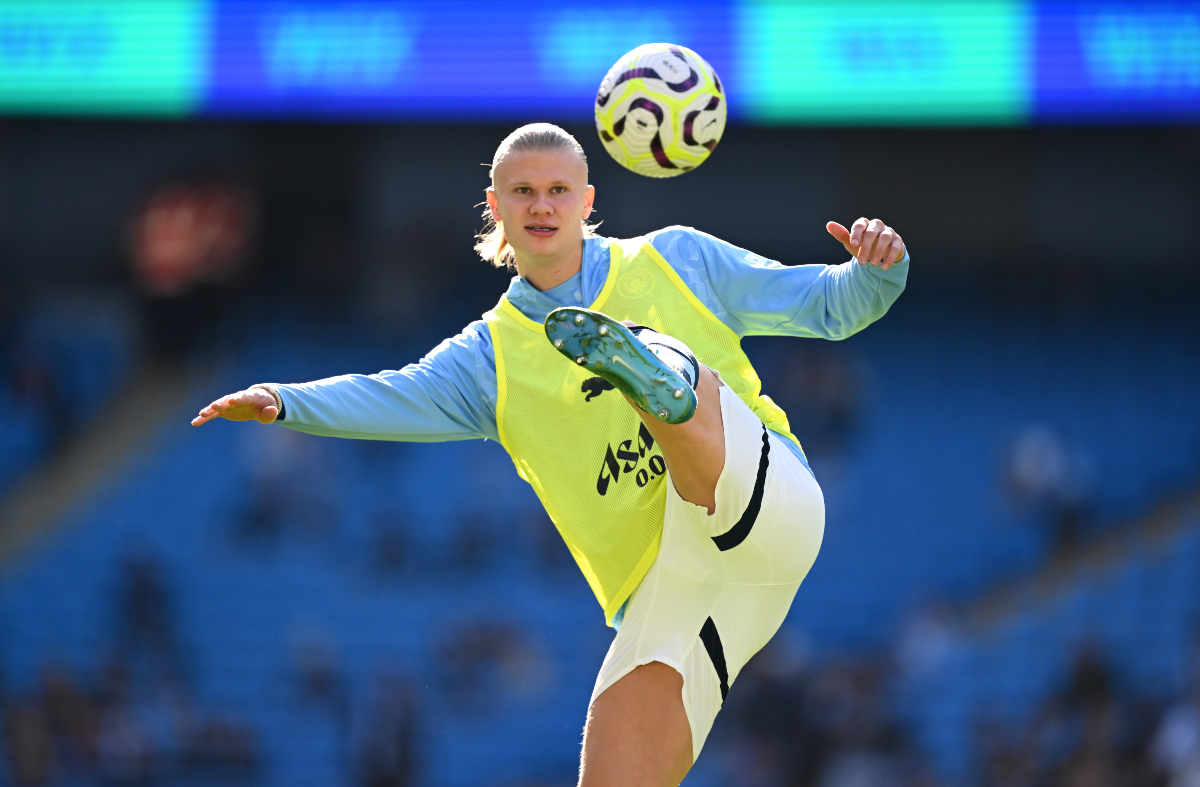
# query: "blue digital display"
[452,60]
[295,57]
[953,62]
[1117,61]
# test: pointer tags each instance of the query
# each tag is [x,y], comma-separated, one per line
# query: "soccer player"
[678,487]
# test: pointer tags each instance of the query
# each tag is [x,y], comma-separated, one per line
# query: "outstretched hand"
[253,404]
[870,241]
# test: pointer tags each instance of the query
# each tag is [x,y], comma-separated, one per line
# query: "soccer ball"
[660,110]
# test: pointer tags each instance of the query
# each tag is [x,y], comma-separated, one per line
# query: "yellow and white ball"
[660,110]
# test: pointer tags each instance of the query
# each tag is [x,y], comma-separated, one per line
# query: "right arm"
[449,395]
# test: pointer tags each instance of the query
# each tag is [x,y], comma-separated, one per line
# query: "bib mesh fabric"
[592,463]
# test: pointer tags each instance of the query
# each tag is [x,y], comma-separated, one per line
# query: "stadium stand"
[919,504]
[302,609]
[1119,631]
[59,364]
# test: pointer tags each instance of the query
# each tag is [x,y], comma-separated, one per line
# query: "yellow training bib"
[589,458]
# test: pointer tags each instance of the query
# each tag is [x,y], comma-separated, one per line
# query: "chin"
[548,247]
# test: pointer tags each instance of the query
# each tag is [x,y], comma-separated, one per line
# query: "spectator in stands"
[145,619]
[124,748]
[390,551]
[189,240]
[222,750]
[774,745]
[30,743]
[925,641]
[318,674]
[1046,478]
[36,391]
[388,752]
[1085,735]
[74,718]
[825,728]
[845,704]
[817,386]
[263,520]
[1079,726]
[1092,733]
[291,487]
[137,727]
[1005,762]
[489,652]
[1091,686]
[1176,746]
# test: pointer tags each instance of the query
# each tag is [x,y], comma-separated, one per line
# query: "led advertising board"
[939,62]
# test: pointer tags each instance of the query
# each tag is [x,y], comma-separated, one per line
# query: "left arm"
[760,297]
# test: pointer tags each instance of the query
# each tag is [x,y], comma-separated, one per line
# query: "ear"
[588,198]
[493,204]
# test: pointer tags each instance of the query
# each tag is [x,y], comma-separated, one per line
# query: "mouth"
[540,230]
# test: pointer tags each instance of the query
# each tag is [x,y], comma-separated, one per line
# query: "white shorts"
[722,584]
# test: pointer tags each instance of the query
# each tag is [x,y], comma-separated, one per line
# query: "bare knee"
[695,450]
[637,732]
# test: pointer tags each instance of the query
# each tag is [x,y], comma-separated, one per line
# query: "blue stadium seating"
[1142,612]
[915,508]
[84,350]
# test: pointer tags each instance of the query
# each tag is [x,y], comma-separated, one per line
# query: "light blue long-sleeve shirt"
[451,393]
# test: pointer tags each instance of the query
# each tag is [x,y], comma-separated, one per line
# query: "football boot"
[657,372]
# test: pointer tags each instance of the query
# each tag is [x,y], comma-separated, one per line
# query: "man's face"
[540,198]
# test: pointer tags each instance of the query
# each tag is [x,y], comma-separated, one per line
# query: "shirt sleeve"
[755,296]
[450,394]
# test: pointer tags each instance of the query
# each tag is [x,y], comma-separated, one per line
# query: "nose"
[541,206]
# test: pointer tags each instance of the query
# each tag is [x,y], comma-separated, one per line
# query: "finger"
[867,247]
[210,410]
[856,232]
[840,234]
[268,414]
[218,407]
[895,253]
[224,403]
[882,245]
[239,399]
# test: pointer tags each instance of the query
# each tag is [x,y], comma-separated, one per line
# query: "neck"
[549,272]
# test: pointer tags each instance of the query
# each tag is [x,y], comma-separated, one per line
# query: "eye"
[559,190]
[523,189]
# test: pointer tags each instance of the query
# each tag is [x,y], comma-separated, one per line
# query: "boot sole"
[609,350]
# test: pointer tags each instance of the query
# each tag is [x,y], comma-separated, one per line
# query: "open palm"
[253,404]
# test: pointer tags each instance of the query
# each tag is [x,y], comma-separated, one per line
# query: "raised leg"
[637,732]
[694,450]
[677,398]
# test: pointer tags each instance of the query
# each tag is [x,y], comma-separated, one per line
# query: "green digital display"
[137,57]
[864,62]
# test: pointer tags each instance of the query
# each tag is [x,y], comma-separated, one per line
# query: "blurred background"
[197,195]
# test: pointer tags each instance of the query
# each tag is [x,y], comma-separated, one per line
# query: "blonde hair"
[492,246]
